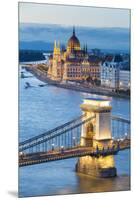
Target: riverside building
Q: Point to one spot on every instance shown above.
(115, 73)
(125, 76)
(73, 63)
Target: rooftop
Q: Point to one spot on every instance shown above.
(97, 104)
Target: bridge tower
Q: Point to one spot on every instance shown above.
(96, 134)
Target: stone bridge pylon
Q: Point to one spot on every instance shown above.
(97, 135)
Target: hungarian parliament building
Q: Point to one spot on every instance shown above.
(73, 63)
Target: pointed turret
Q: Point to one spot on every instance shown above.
(55, 49)
(55, 44)
(74, 30)
(56, 52)
(58, 48)
(86, 48)
(58, 44)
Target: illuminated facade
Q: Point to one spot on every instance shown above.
(115, 73)
(110, 71)
(73, 63)
(124, 82)
(97, 134)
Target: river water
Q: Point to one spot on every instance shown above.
(43, 108)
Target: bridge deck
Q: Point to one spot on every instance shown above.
(42, 157)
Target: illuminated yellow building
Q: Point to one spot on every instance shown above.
(73, 63)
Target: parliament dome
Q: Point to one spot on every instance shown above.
(73, 42)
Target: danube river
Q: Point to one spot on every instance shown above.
(43, 108)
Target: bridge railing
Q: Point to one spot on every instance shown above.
(68, 135)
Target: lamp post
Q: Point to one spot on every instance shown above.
(126, 136)
(74, 142)
(21, 154)
(118, 144)
(62, 149)
(52, 147)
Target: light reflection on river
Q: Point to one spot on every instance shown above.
(43, 108)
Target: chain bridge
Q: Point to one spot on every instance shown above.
(64, 142)
(96, 133)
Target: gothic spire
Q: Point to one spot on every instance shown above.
(86, 48)
(73, 30)
(59, 44)
(55, 44)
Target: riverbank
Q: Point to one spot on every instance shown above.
(80, 88)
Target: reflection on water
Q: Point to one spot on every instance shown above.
(45, 108)
(59, 177)
(87, 184)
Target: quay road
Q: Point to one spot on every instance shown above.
(59, 154)
(41, 75)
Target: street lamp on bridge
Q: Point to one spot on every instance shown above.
(62, 149)
(74, 141)
(126, 136)
(52, 147)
